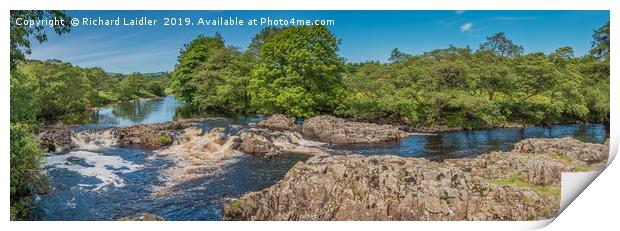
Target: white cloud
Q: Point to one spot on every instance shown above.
(467, 27)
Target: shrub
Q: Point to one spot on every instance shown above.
(27, 177)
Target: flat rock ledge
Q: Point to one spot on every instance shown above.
(330, 129)
(522, 184)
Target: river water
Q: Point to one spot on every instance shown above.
(110, 183)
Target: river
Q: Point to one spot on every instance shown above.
(111, 183)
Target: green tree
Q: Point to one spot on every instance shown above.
(501, 46)
(25, 103)
(27, 177)
(260, 38)
(600, 45)
(20, 34)
(298, 73)
(191, 57)
(398, 56)
(221, 81)
(495, 78)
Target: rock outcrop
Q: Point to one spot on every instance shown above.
(279, 122)
(63, 139)
(56, 139)
(143, 217)
(519, 185)
(269, 143)
(430, 129)
(334, 130)
(577, 151)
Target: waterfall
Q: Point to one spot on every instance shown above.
(94, 140)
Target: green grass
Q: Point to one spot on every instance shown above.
(401, 175)
(568, 161)
(581, 168)
(561, 157)
(444, 196)
(549, 190)
(164, 139)
(298, 213)
(356, 193)
(235, 204)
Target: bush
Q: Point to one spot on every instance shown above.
(164, 140)
(27, 177)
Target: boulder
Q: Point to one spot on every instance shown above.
(279, 122)
(143, 217)
(152, 135)
(334, 130)
(56, 139)
(575, 149)
(269, 143)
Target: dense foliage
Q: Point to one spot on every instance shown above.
(189, 61)
(491, 86)
(27, 178)
(52, 90)
(296, 71)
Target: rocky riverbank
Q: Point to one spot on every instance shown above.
(333, 130)
(522, 184)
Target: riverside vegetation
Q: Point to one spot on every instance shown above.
(49, 91)
(296, 71)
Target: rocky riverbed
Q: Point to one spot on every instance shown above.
(522, 184)
(273, 136)
(59, 139)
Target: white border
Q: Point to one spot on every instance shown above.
(585, 212)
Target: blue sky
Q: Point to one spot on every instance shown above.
(364, 35)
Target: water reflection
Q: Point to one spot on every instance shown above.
(475, 142)
(140, 111)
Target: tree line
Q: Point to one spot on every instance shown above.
(48, 91)
(297, 71)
